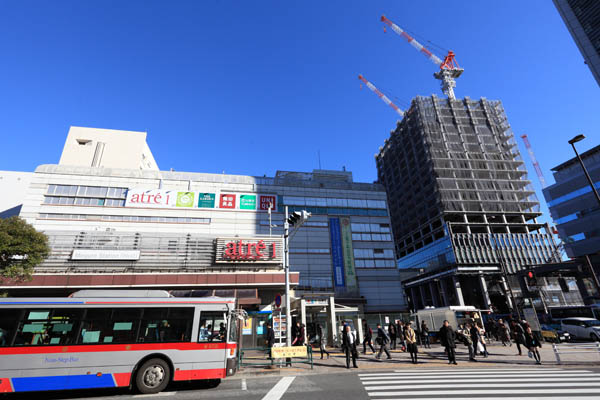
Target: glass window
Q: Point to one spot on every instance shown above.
(48, 327)
(166, 325)
(8, 324)
(213, 327)
(102, 325)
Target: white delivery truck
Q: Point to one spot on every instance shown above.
(456, 315)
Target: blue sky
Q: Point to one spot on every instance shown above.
(250, 87)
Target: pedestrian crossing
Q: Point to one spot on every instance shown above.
(483, 383)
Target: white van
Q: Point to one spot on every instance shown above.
(582, 328)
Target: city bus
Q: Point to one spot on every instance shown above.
(113, 338)
(561, 312)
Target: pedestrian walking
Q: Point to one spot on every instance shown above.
(349, 347)
(400, 332)
(270, 340)
(464, 335)
(447, 339)
(425, 335)
(322, 340)
(503, 333)
(299, 338)
(519, 336)
(382, 340)
(368, 339)
(392, 334)
(411, 342)
(482, 340)
(533, 344)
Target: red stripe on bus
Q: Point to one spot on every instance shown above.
(5, 386)
(115, 347)
(159, 302)
(122, 378)
(191, 374)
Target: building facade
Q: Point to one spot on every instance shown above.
(462, 209)
(574, 207)
(582, 18)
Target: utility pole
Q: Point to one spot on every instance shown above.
(286, 267)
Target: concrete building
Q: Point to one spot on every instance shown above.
(142, 228)
(582, 18)
(573, 205)
(462, 209)
(107, 148)
(14, 186)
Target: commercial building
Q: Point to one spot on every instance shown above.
(111, 227)
(462, 209)
(582, 18)
(574, 207)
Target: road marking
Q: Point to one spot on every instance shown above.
(503, 380)
(478, 378)
(461, 370)
(446, 393)
(475, 373)
(500, 386)
(154, 395)
(279, 389)
(244, 386)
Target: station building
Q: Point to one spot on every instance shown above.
(116, 225)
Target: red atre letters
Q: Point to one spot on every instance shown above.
(247, 251)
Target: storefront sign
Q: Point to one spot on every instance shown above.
(247, 328)
(81, 254)
(163, 198)
(348, 252)
(249, 250)
(285, 352)
(336, 252)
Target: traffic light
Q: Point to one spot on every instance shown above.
(531, 279)
(298, 217)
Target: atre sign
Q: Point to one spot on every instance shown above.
(236, 250)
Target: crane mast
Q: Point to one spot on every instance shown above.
(449, 68)
(382, 96)
(536, 166)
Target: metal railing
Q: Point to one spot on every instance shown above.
(574, 348)
(260, 356)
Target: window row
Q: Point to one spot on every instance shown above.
(337, 211)
(375, 263)
(373, 253)
(310, 251)
(125, 218)
(376, 237)
(88, 191)
(383, 228)
(333, 202)
(83, 201)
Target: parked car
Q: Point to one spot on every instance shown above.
(553, 333)
(582, 328)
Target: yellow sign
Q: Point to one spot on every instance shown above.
(285, 352)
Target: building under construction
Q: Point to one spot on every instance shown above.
(462, 208)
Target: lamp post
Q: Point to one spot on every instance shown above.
(572, 142)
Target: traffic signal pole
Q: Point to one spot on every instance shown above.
(286, 267)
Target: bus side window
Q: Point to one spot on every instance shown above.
(172, 324)
(213, 327)
(9, 321)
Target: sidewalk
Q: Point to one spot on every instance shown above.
(500, 356)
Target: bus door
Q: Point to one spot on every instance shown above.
(213, 334)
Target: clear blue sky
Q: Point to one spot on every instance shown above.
(250, 87)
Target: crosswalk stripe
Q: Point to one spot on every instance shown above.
(477, 385)
(465, 370)
(508, 398)
(476, 374)
(596, 378)
(473, 377)
(407, 393)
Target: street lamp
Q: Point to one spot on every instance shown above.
(572, 142)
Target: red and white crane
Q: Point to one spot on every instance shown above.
(536, 166)
(382, 96)
(449, 69)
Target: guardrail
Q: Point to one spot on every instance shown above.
(573, 348)
(262, 357)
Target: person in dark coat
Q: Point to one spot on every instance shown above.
(392, 333)
(299, 338)
(322, 341)
(270, 340)
(476, 339)
(519, 333)
(400, 335)
(447, 339)
(368, 340)
(382, 340)
(425, 335)
(349, 347)
(533, 345)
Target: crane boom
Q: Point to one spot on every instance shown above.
(382, 96)
(536, 166)
(435, 59)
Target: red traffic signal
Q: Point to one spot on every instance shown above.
(531, 279)
(530, 275)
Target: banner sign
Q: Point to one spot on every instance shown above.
(163, 198)
(348, 252)
(83, 254)
(249, 250)
(337, 257)
(288, 352)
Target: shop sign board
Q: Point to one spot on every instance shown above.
(337, 257)
(163, 198)
(85, 254)
(348, 252)
(288, 352)
(249, 250)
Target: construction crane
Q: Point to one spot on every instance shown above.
(449, 69)
(382, 96)
(536, 166)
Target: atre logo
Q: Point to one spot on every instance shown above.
(240, 250)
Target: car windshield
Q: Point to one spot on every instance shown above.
(592, 323)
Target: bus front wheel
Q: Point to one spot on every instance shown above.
(153, 376)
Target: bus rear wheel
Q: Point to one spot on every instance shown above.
(153, 376)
